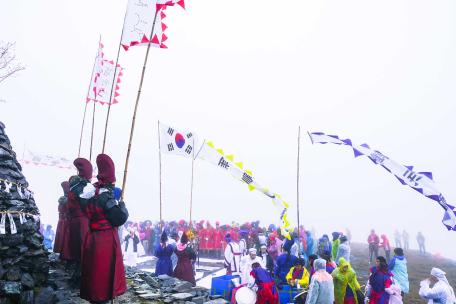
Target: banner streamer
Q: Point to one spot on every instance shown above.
(421, 182)
(182, 143)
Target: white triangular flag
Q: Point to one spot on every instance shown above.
(13, 228)
(2, 224)
(8, 186)
(21, 219)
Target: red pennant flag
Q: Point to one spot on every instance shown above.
(162, 46)
(125, 47)
(116, 94)
(155, 40)
(118, 80)
(117, 87)
(115, 101)
(87, 99)
(181, 3)
(164, 27)
(144, 39)
(162, 15)
(164, 38)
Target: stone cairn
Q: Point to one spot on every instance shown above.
(24, 264)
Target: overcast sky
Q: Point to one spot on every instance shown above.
(246, 74)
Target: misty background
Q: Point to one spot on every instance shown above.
(246, 74)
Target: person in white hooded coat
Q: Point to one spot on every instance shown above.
(132, 248)
(441, 292)
(246, 264)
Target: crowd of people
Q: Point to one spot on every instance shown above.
(263, 259)
(95, 240)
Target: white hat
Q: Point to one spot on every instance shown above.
(252, 250)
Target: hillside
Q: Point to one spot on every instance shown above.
(419, 268)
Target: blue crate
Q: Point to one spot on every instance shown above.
(286, 294)
(223, 286)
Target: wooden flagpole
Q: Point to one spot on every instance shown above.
(85, 107)
(124, 182)
(297, 189)
(160, 175)
(93, 127)
(114, 83)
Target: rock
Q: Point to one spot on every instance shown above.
(27, 297)
(12, 240)
(8, 288)
(183, 286)
(199, 300)
(27, 281)
(182, 296)
(14, 274)
(150, 296)
(45, 295)
(164, 277)
(217, 301)
(2, 271)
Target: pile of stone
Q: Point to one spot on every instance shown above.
(24, 265)
(166, 289)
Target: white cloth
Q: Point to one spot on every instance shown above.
(233, 258)
(441, 292)
(130, 256)
(242, 247)
(246, 267)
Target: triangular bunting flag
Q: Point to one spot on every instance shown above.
(230, 157)
(239, 165)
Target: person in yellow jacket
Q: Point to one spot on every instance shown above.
(346, 284)
(298, 275)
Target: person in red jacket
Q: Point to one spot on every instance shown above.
(218, 239)
(103, 273)
(385, 244)
(60, 231)
(210, 238)
(373, 241)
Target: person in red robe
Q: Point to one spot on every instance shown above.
(60, 231)
(78, 224)
(103, 273)
(185, 258)
(218, 238)
(210, 239)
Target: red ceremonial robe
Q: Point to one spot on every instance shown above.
(103, 273)
(184, 267)
(60, 231)
(77, 226)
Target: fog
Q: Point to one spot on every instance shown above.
(246, 74)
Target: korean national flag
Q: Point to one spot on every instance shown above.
(177, 142)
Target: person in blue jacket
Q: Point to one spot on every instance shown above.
(310, 243)
(398, 267)
(163, 252)
(284, 262)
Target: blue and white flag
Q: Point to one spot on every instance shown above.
(420, 181)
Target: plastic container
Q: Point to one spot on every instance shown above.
(286, 294)
(222, 286)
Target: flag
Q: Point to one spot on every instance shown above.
(37, 159)
(139, 20)
(226, 162)
(422, 182)
(177, 142)
(102, 79)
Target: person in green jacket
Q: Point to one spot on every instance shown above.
(335, 245)
(345, 283)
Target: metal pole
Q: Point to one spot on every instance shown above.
(297, 187)
(160, 175)
(191, 184)
(124, 182)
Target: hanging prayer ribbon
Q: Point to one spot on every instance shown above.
(2, 224)
(12, 224)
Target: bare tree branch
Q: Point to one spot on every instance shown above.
(8, 64)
